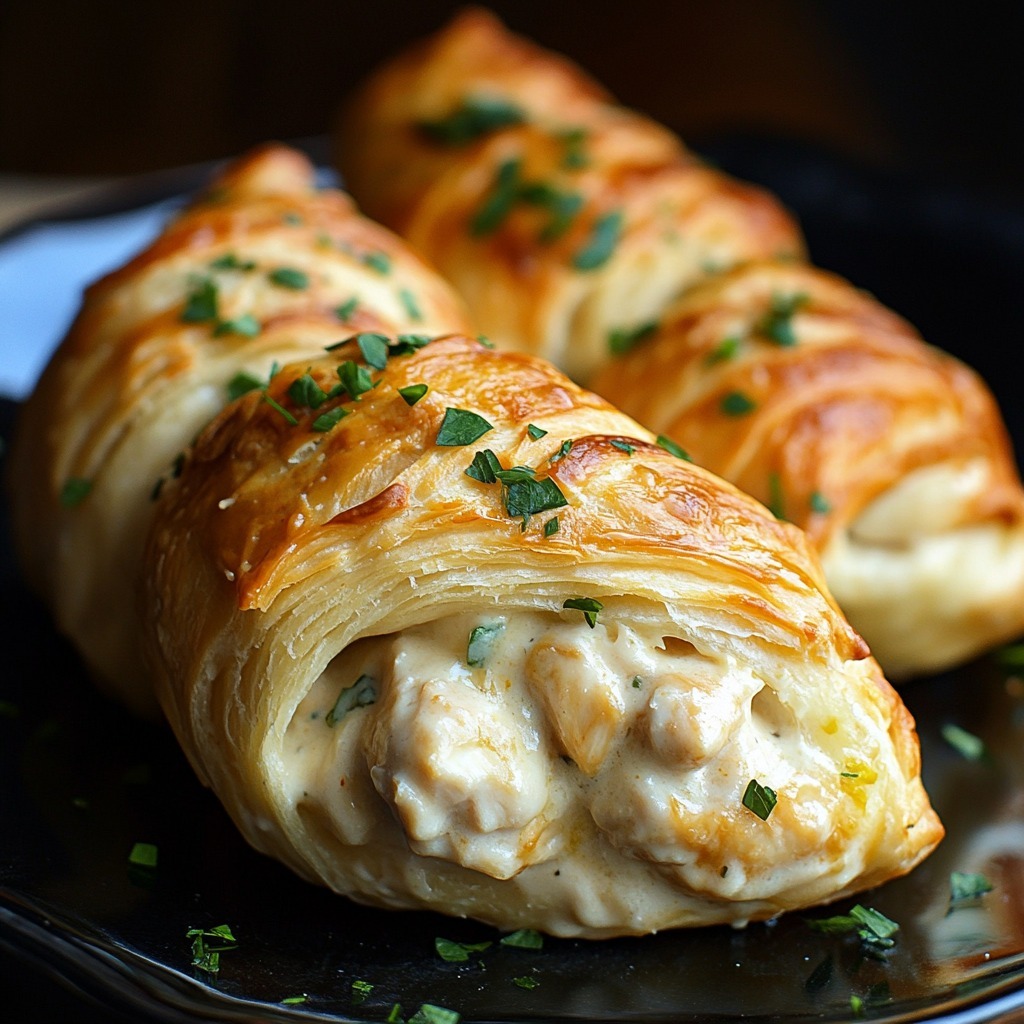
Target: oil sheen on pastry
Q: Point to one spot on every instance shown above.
(443, 630)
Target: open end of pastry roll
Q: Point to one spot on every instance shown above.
(261, 269)
(562, 218)
(443, 630)
(892, 455)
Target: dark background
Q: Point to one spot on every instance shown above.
(123, 86)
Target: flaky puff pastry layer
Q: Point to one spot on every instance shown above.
(562, 218)
(262, 268)
(367, 652)
(809, 394)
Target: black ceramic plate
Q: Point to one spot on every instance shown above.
(81, 782)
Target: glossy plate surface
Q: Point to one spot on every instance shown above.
(81, 782)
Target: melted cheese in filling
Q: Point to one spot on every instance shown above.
(570, 744)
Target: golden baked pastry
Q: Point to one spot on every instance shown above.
(891, 454)
(261, 269)
(563, 219)
(443, 630)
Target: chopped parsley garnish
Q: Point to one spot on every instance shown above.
(736, 403)
(229, 261)
(777, 324)
(428, 1013)
(295, 1000)
(280, 409)
(965, 887)
(623, 339)
(562, 207)
(964, 742)
(374, 348)
(603, 239)
(330, 419)
(637, 682)
(305, 391)
(394, 1015)
(524, 938)
(522, 493)
(406, 344)
(473, 118)
(143, 855)
(346, 310)
(481, 641)
(289, 277)
(551, 527)
(525, 981)
(725, 350)
(536, 433)
(484, 467)
(411, 306)
(759, 799)
(575, 155)
(563, 450)
(623, 446)
(206, 955)
(672, 448)
(201, 304)
(499, 201)
(360, 990)
(461, 427)
(412, 393)
(355, 379)
(458, 952)
(873, 928)
(246, 325)
(819, 503)
(485, 341)
(361, 694)
(776, 497)
(377, 260)
(241, 384)
(75, 490)
(588, 605)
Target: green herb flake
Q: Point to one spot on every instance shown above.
(525, 496)
(776, 496)
(374, 348)
(481, 641)
(377, 260)
(330, 419)
(407, 344)
(361, 694)
(143, 855)
(74, 491)
(624, 339)
(623, 446)
(412, 308)
(963, 742)
(461, 427)
(524, 938)
(289, 277)
(484, 467)
(637, 683)
(964, 887)
(777, 324)
(394, 1015)
(736, 403)
(201, 303)
(485, 341)
(525, 981)
(245, 325)
(819, 503)
(759, 799)
(347, 309)
(725, 350)
(849, 775)
(536, 433)
(241, 384)
(457, 952)
(280, 410)
(360, 990)
(499, 201)
(672, 448)
(208, 944)
(230, 261)
(603, 240)
(295, 1000)
(873, 928)
(428, 1013)
(562, 207)
(305, 391)
(355, 379)
(563, 450)
(857, 1005)
(473, 118)
(551, 527)
(588, 605)
(574, 140)
(412, 393)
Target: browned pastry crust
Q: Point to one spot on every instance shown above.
(892, 455)
(570, 219)
(293, 569)
(264, 267)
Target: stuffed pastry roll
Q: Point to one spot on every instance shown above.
(442, 630)
(565, 221)
(261, 268)
(892, 455)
